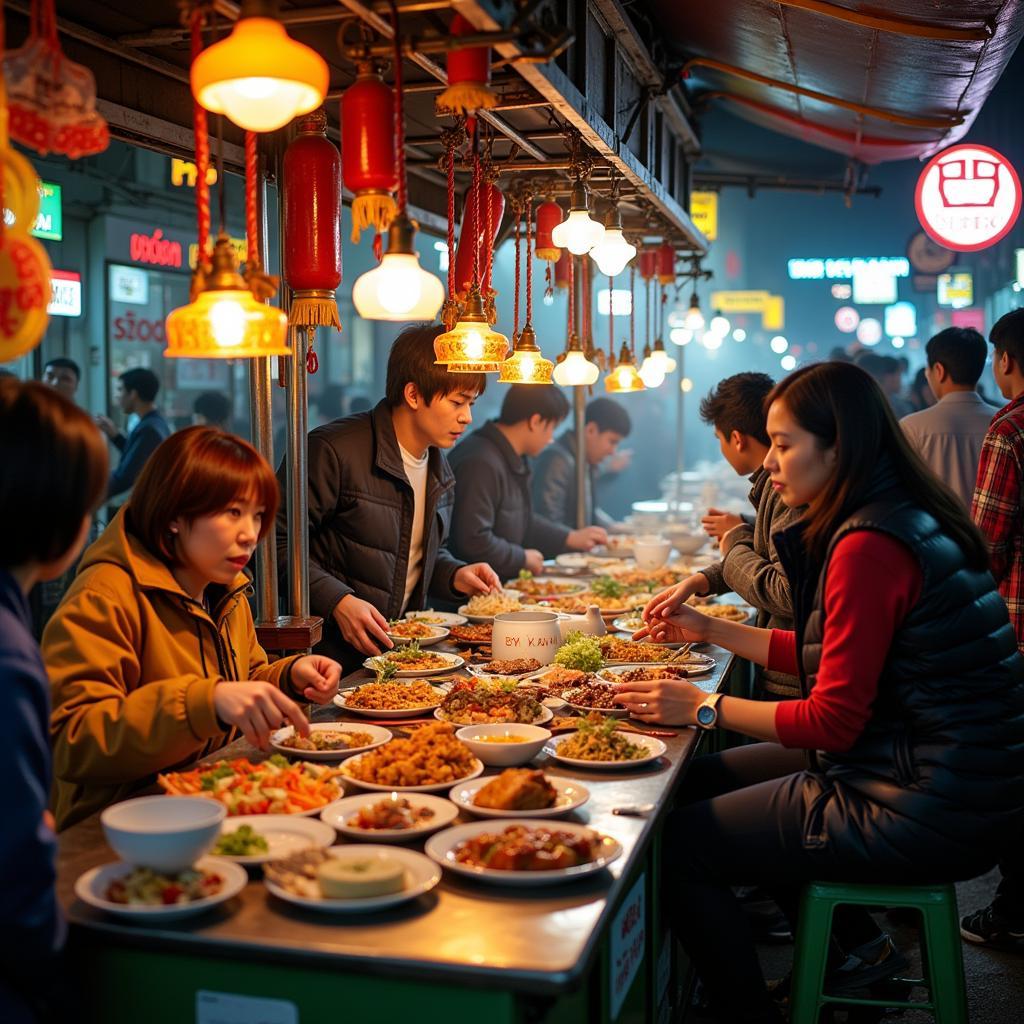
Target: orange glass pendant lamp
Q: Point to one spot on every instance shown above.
(259, 77)
(472, 345)
(225, 321)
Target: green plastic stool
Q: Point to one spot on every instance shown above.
(940, 947)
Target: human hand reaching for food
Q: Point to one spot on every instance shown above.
(534, 561)
(668, 701)
(586, 538)
(316, 678)
(668, 602)
(684, 626)
(716, 523)
(258, 709)
(478, 578)
(362, 625)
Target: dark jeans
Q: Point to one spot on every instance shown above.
(1009, 899)
(741, 821)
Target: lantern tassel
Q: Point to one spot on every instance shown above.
(372, 210)
(466, 98)
(314, 309)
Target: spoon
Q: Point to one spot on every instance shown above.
(634, 811)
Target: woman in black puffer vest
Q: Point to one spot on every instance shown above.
(904, 762)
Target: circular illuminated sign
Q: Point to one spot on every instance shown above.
(968, 197)
(847, 319)
(869, 332)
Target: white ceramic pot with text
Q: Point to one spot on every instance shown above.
(533, 634)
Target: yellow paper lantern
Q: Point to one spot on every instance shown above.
(24, 295)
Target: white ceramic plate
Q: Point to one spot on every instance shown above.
(437, 634)
(452, 662)
(285, 834)
(441, 849)
(417, 712)
(420, 874)
(573, 587)
(584, 562)
(379, 736)
(655, 749)
(432, 618)
(337, 816)
(545, 716)
(478, 671)
(697, 665)
(488, 618)
(91, 888)
(570, 796)
(609, 712)
(435, 787)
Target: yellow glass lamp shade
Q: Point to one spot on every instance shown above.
(527, 364)
(472, 345)
(224, 321)
(259, 77)
(576, 370)
(578, 233)
(624, 376)
(399, 288)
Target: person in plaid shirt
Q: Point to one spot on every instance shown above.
(998, 510)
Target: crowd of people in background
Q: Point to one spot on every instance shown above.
(883, 553)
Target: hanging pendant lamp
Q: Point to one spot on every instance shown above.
(613, 252)
(399, 288)
(623, 377)
(259, 77)
(472, 345)
(694, 319)
(225, 321)
(579, 232)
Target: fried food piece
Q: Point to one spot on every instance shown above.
(511, 666)
(518, 789)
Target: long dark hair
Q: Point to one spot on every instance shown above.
(843, 407)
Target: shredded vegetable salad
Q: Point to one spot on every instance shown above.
(272, 787)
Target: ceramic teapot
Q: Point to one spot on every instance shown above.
(590, 624)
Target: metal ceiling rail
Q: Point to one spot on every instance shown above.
(381, 25)
(900, 26)
(943, 123)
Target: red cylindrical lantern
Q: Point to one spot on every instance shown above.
(647, 264)
(562, 269)
(549, 215)
(469, 75)
(312, 224)
(368, 150)
(666, 263)
(469, 231)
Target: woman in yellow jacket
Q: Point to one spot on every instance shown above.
(152, 654)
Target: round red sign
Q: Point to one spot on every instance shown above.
(968, 197)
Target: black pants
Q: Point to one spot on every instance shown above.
(1009, 899)
(741, 820)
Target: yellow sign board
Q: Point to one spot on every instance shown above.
(704, 213)
(184, 173)
(238, 244)
(771, 307)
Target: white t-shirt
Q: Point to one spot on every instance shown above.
(416, 471)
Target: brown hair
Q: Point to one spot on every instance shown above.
(53, 472)
(843, 407)
(197, 472)
(411, 361)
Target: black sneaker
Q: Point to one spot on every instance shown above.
(987, 927)
(872, 962)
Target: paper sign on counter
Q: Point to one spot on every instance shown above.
(225, 1008)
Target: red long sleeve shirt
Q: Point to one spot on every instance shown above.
(873, 580)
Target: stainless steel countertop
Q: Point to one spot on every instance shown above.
(540, 940)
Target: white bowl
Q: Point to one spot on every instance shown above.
(504, 755)
(166, 833)
(651, 553)
(686, 543)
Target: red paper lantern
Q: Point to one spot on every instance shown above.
(312, 223)
(666, 263)
(549, 215)
(469, 231)
(368, 150)
(469, 75)
(562, 269)
(647, 264)
(24, 294)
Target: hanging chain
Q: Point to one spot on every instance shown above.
(452, 138)
(475, 193)
(529, 259)
(515, 301)
(632, 313)
(202, 137)
(399, 111)
(252, 254)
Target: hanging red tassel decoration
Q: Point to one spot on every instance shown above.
(647, 263)
(312, 224)
(368, 161)
(469, 231)
(549, 215)
(469, 76)
(563, 269)
(666, 263)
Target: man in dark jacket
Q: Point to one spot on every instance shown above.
(380, 504)
(136, 393)
(493, 520)
(554, 482)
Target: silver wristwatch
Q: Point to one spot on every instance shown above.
(707, 712)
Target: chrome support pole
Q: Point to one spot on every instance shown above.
(262, 431)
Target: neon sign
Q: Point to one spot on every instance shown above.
(845, 268)
(154, 249)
